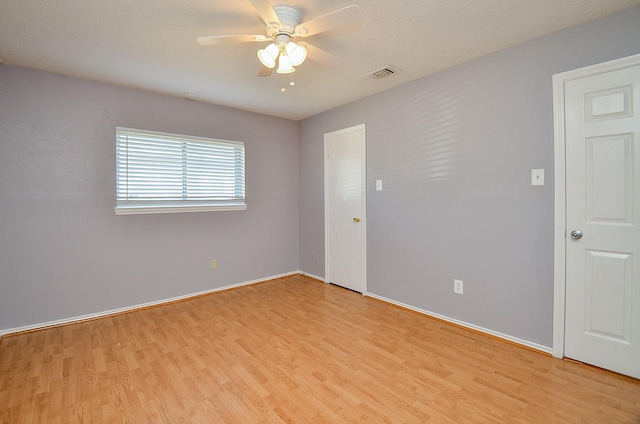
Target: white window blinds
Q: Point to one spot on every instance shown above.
(159, 172)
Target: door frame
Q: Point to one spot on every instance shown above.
(363, 188)
(560, 209)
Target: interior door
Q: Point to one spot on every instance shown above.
(602, 315)
(345, 236)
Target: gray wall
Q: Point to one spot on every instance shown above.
(63, 251)
(455, 152)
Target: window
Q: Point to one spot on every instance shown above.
(159, 173)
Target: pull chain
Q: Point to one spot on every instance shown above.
(291, 83)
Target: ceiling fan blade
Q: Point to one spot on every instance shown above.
(322, 57)
(267, 13)
(228, 39)
(342, 17)
(264, 71)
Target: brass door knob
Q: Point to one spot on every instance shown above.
(356, 219)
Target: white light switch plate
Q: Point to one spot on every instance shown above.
(537, 177)
(378, 185)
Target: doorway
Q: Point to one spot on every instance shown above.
(345, 205)
(597, 215)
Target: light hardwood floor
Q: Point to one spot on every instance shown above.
(294, 350)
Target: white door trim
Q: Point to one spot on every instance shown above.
(363, 158)
(559, 244)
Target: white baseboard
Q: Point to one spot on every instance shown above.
(42, 325)
(312, 276)
(516, 340)
(71, 320)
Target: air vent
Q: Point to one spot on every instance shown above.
(382, 72)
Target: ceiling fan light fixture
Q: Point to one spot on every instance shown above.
(284, 66)
(297, 54)
(268, 55)
(284, 24)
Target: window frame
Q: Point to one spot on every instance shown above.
(130, 206)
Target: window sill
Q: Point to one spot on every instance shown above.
(142, 210)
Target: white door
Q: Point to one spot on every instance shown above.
(344, 196)
(602, 124)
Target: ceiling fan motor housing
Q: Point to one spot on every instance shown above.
(290, 18)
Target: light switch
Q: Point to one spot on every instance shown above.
(537, 177)
(378, 185)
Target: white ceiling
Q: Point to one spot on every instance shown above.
(151, 44)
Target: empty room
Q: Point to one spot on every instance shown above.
(255, 211)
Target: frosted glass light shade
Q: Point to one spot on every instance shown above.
(297, 54)
(268, 55)
(285, 66)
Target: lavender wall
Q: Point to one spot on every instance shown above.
(63, 251)
(455, 152)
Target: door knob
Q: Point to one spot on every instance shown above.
(356, 219)
(576, 234)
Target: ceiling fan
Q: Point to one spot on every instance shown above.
(283, 27)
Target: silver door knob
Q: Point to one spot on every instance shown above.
(576, 234)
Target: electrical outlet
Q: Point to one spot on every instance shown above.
(214, 264)
(457, 286)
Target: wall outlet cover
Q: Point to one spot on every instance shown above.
(457, 286)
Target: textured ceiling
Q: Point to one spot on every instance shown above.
(151, 44)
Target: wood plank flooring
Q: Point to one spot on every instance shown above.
(294, 350)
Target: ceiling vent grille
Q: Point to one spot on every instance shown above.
(382, 72)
